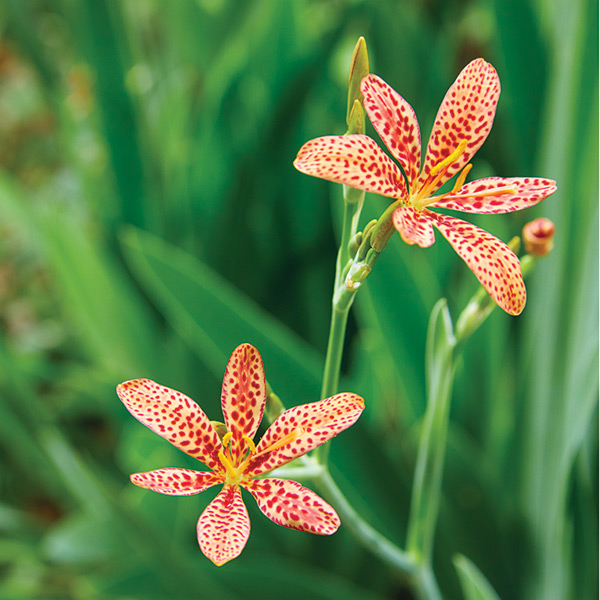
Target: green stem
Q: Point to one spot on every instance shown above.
(432, 445)
(369, 538)
(335, 347)
(420, 577)
(340, 304)
(342, 298)
(425, 586)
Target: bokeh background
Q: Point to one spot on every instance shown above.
(151, 220)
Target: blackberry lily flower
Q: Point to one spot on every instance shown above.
(234, 460)
(461, 126)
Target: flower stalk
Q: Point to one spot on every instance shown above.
(427, 483)
(353, 203)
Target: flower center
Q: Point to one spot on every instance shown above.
(234, 473)
(423, 196)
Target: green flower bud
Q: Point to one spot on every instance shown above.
(359, 68)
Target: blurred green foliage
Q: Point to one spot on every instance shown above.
(151, 220)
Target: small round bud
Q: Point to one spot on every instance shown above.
(538, 236)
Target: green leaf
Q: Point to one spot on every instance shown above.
(474, 585)
(214, 317)
(93, 289)
(82, 540)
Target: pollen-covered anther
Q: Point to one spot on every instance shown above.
(290, 437)
(460, 180)
(450, 159)
(250, 444)
(436, 174)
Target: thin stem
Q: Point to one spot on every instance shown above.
(340, 304)
(335, 347)
(420, 577)
(369, 538)
(342, 299)
(432, 445)
(425, 586)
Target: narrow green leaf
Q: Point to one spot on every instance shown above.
(82, 539)
(214, 317)
(474, 585)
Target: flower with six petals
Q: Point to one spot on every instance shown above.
(235, 462)
(461, 126)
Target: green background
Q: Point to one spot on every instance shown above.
(151, 220)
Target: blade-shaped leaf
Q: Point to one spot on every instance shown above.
(214, 317)
(474, 585)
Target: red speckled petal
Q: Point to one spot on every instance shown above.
(355, 160)
(224, 526)
(314, 424)
(414, 226)
(174, 417)
(492, 262)
(175, 481)
(289, 504)
(243, 396)
(467, 113)
(396, 123)
(484, 195)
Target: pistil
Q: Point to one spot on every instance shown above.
(232, 474)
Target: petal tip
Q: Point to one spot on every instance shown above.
(136, 479)
(133, 383)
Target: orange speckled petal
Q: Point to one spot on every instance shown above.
(414, 226)
(289, 504)
(309, 426)
(466, 113)
(243, 396)
(224, 526)
(355, 160)
(492, 262)
(175, 481)
(174, 417)
(484, 196)
(396, 123)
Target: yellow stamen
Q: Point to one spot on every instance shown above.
(461, 178)
(250, 444)
(497, 192)
(228, 466)
(460, 150)
(422, 198)
(227, 438)
(286, 439)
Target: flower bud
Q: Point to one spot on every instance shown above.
(220, 428)
(359, 68)
(274, 406)
(356, 118)
(538, 236)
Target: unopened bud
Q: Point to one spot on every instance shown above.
(274, 406)
(515, 244)
(354, 243)
(359, 68)
(538, 236)
(220, 428)
(356, 119)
